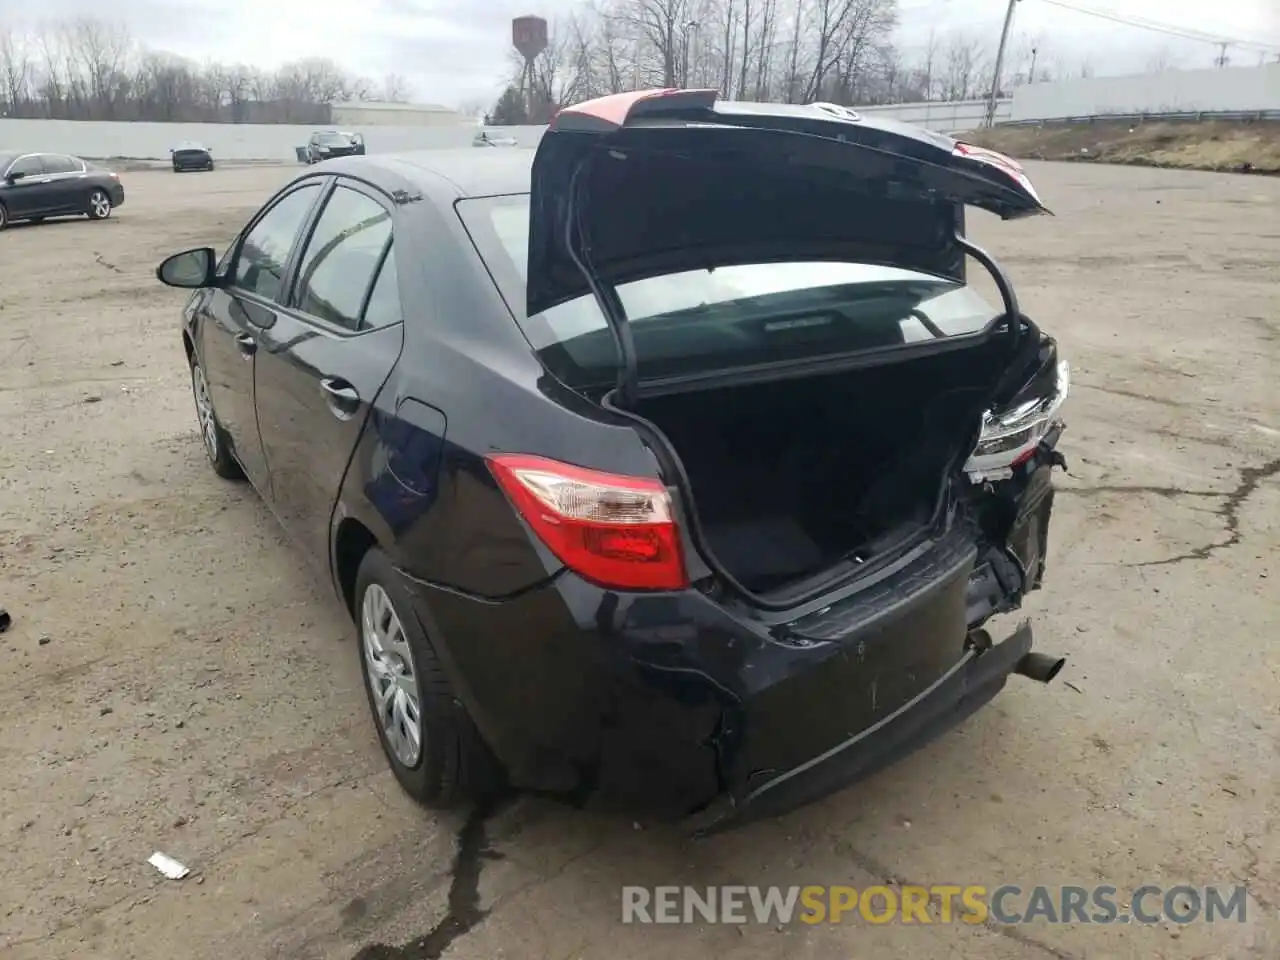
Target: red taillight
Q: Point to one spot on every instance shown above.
(613, 530)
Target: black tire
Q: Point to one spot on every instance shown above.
(99, 205)
(210, 166)
(176, 168)
(4, 216)
(454, 766)
(217, 449)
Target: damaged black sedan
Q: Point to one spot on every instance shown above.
(674, 466)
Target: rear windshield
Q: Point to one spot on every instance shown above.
(726, 317)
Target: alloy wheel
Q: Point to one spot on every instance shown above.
(392, 675)
(100, 205)
(204, 412)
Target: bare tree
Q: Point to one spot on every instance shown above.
(661, 24)
(101, 50)
(962, 64)
(1161, 60)
(395, 89)
(16, 72)
(91, 69)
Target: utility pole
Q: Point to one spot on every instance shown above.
(995, 80)
(1222, 59)
(1031, 74)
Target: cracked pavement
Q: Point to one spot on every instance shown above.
(174, 680)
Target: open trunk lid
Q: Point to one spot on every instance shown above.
(643, 184)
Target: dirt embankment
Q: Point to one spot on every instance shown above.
(1240, 147)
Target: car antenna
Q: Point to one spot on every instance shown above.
(606, 294)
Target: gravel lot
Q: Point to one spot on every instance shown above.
(174, 680)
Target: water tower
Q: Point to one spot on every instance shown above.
(529, 37)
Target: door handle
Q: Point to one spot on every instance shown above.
(246, 344)
(342, 397)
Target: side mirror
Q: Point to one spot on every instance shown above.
(191, 269)
(15, 176)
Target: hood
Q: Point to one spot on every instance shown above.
(671, 180)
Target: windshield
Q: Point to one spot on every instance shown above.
(333, 139)
(718, 318)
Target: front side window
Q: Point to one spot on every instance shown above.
(724, 317)
(31, 166)
(342, 257)
(266, 249)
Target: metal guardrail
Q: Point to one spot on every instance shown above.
(1194, 116)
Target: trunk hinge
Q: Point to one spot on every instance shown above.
(1002, 284)
(605, 293)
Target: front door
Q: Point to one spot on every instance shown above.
(322, 363)
(28, 195)
(234, 319)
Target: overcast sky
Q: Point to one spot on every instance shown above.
(456, 50)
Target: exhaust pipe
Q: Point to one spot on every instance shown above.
(1040, 666)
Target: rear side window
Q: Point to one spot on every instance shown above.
(725, 317)
(383, 308)
(55, 163)
(342, 258)
(266, 249)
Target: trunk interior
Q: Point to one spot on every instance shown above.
(793, 477)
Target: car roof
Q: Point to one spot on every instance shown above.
(446, 175)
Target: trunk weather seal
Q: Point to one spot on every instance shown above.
(606, 295)
(673, 467)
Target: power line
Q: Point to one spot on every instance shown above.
(1182, 33)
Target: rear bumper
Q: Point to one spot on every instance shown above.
(974, 680)
(195, 161)
(674, 703)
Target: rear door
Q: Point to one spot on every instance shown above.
(322, 363)
(65, 178)
(29, 195)
(233, 320)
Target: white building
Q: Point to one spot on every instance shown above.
(368, 113)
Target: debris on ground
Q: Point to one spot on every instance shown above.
(170, 867)
(6, 621)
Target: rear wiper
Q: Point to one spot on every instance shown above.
(606, 295)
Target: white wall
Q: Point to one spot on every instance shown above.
(1172, 91)
(229, 141)
(245, 141)
(950, 117)
(1232, 88)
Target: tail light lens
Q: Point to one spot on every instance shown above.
(615, 531)
(1010, 437)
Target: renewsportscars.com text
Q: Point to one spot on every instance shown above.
(941, 903)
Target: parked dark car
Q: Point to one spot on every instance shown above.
(327, 144)
(647, 486)
(34, 186)
(189, 155)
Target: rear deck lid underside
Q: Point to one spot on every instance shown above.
(641, 185)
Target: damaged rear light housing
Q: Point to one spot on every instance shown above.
(1010, 437)
(615, 531)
